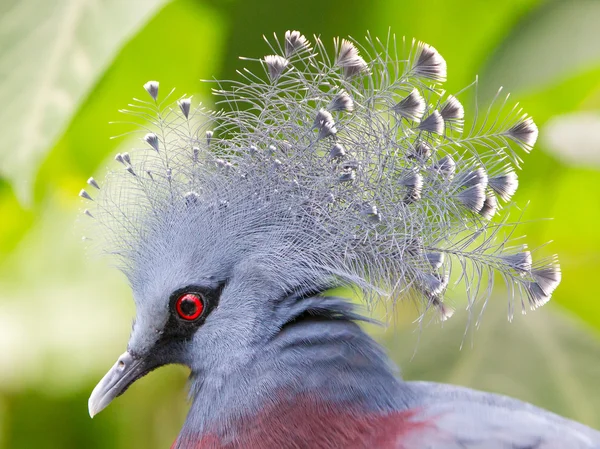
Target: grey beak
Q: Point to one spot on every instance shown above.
(126, 371)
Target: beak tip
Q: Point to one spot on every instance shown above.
(93, 406)
(114, 382)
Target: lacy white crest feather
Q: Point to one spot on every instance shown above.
(350, 169)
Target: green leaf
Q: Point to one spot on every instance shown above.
(15, 222)
(58, 50)
(553, 43)
(180, 46)
(444, 24)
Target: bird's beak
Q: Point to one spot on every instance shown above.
(127, 370)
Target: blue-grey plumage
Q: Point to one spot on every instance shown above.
(232, 225)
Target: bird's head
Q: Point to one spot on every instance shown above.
(210, 289)
(321, 172)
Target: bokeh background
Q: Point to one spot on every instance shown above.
(67, 66)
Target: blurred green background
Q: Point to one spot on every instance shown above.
(67, 66)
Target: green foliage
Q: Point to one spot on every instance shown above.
(53, 60)
(550, 46)
(16, 220)
(70, 65)
(179, 46)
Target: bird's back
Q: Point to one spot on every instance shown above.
(470, 419)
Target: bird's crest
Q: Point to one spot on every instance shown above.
(348, 169)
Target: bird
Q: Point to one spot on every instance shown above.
(320, 169)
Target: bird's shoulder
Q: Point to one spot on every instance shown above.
(462, 418)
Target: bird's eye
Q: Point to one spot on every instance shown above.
(189, 306)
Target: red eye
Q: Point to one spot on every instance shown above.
(189, 306)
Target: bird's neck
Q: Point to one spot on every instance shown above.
(314, 367)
